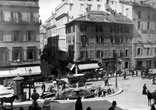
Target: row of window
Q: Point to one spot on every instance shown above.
(148, 51)
(17, 35)
(100, 28)
(147, 15)
(103, 53)
(18, 53)
(146, 25)
(100, 39)
(17, 17)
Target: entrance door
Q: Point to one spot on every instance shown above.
(2, 56)
(149, 63)
(139, 64)
(126, 64)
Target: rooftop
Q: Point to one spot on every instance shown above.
(148, 4)
(101, 16)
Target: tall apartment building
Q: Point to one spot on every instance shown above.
(100, 36)
(143, 15)
(67, 11)
(19, 32)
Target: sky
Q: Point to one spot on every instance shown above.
(46, 8)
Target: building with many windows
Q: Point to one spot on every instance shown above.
(143, 15)
(67, 11)
(100, 36)
(19, 32)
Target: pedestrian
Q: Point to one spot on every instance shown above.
(136, 70)
(153, 79)
(43, 87)
(146, 72)
(124, 73)
(153, 107)
(78, 104)
(113, 106)
(105, 77)
(99, 92)
(149, 97)
(88, 108)
(144, 91)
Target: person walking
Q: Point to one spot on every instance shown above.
(43, 87)
(124, 73)
(113, 106)
(149, 97)
(78, 104)
(144, 91)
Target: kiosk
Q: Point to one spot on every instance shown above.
(18, 88)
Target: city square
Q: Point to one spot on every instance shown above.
(129, 96)
(77, 54)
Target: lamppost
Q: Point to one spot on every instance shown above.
(30, 71)
(116, 79)
(116, 68)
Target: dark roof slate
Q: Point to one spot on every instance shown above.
(100, 16)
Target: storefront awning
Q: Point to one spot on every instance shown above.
(83, 66)
(21, 71)
(88, 66)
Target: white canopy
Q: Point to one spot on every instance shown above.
(21, 71)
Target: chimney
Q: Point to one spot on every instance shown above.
(142, 2)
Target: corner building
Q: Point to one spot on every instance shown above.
(19, 32)
(100, 36)
(143, 15)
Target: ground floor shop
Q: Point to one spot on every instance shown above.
(147, 63)
(113, 64)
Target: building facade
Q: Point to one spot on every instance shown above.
(101, 36)
(143, 15)
(19, 32)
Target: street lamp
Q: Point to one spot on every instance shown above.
(116, 65)
(116, 79)
(30, 71)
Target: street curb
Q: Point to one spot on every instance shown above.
(118, 92)
(93, 99)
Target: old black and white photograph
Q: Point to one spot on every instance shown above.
(77, 54)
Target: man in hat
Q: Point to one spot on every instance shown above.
(113, 106)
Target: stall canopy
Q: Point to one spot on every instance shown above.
(88, 66)
(83, 66)
(21, 71)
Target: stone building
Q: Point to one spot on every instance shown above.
(19, 32)
(143, 15)
(100, 36)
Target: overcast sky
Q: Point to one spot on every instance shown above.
(47, 7)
